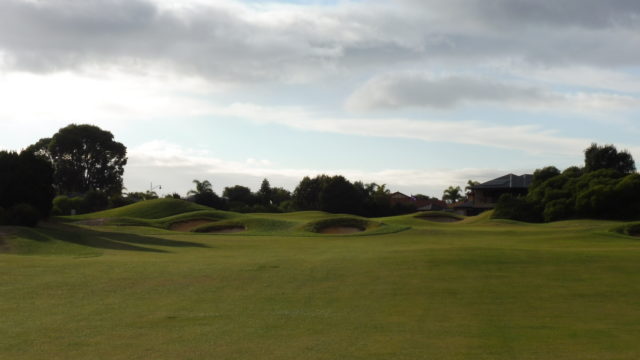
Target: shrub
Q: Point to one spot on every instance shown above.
(559, 209)
(62, 205)
(95, 201)
(517, 208)
(3, 217)
(24, 215)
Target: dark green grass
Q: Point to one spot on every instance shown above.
(476, 289)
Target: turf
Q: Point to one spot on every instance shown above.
(151, 209)
(475, 289)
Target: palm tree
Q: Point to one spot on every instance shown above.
(382, 189)
(202, 187)
(204, 195)
(452, 194)
(468, 189)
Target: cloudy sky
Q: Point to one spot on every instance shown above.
(417, 94)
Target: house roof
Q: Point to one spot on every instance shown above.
(509, 181)
(399, 195)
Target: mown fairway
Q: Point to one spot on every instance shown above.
(476, 289)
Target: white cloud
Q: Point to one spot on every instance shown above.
(527, 138)
(111, 96)
(116, 100)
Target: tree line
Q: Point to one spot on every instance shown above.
(606, 187)
(333, 194)
(80, 168)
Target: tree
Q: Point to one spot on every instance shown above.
(544, 174)
(204, 195)
(239, 194)
(470, 185)
(264, 194)
(26, 180)
(306, 194)
(338, 195)
(84, 157)
(607, 157)
(202, 187)
(280, 195)
(452, 194)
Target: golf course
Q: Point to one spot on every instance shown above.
(170, 279)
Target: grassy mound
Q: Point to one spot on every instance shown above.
(169, 222)
(150, 209)
(439, 216)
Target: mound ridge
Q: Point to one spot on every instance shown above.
(149, 209)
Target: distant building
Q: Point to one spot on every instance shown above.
(420, 203)
(485, 196)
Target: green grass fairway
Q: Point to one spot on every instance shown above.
(404, 288)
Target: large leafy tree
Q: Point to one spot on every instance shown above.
(84, 157)
(608, 157)
(239, 194)
(306, 194)
(338, 195)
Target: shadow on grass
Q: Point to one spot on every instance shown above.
(101, 239)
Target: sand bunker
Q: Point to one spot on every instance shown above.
(227, 230)
(340, 230)
(188, 225)
(440, 219)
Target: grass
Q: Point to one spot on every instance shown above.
(152, 209)
(474, 289)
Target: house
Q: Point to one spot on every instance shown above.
(421, 203)
(485, 196)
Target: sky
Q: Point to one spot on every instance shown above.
(415, 94)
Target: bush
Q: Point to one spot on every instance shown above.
(95, 201)
(517, 208)
(62, 205)
(3, 217)
(24, 215)
(558, 210)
